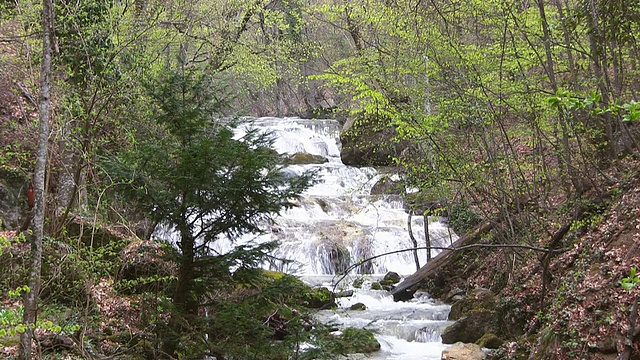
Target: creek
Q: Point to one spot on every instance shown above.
(337, 223)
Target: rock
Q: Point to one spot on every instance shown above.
(357, 283)
(390, 278)
(470, 328)
(372, 141)
(460, 351)
(490, 341)
(387, 186)
(453, 294)
(346, 293)
(358, 306)
(376, 286)
(13, 199)
(476, 299)
(355, 340)
(320, 298)
(305, 158)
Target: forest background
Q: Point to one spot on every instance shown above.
(520, 114)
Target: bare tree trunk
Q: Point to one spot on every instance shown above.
(427, 237)
(413, 241)
(31, 298)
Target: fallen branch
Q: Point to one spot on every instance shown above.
(454, 249)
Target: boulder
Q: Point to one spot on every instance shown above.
(305, 158)
(14, 211)
(460, 351)
(470, 328)
(320, 298)
(391, 278)
(355, 340)
(376, 286)
(454, 295)
(388, 186)
(490, 341)
(358, 306)
(476, 299)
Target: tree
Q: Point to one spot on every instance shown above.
(188, 171)
(31, 298)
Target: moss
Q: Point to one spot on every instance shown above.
(490, 341)
(358, 341)
(376, 286)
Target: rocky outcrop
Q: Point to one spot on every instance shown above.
(371, 142)
(460, 351)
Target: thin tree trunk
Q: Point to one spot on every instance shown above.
(413, 240)
(427, 237)
(31, 298)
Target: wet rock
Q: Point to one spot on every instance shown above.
(305, 158)
(376, 286)
(391, 278)
(388, 186)
(358, 306)
(346, 293)
(355, 340)
(454, 295)
(357, 283)
(320, 298)
(460, 351)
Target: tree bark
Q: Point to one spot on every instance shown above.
(31, 298)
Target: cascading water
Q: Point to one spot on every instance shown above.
(338, 223)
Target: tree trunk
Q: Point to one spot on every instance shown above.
(31, 298)
(413, 240)
(184, 303)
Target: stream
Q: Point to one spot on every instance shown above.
(336, 224)
(339, 222)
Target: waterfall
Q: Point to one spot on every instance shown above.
(337, 223)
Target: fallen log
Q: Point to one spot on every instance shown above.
(404, 290)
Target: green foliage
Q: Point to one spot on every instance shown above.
(463, 218)
(630, 282)
(190, 172)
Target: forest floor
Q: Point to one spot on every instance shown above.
(582, 311)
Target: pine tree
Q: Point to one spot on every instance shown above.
(188, 171)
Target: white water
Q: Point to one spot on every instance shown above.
(337, 217)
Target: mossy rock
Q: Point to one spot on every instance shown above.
(477, 299)
(490, 341)
(358, 306)
(357, 283)
(391, 278)
(305, 158)
(355, 340)
(470, 328)
(320, 298)
(376, 286)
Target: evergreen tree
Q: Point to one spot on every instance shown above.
(187, 170)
